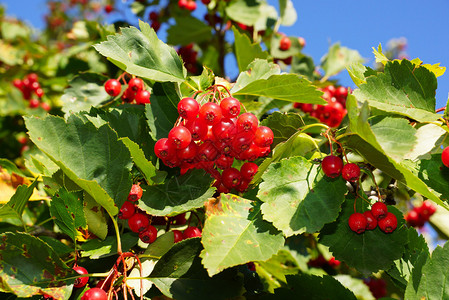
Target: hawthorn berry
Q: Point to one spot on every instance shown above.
(414, 218)
(127, 210)
(371, 221)
(248, 170)
(95, 294)
(138, 222)
(357, 222)
(34, 103)
(426, 209)
(350, 172)
(230, 107)
(188, 108)
(113, 87)
(148, 235)
(108, 8)
(142, 97)
(389, 223)
(177, 236)
(231, 178)
(198, 129)
(379, 210)
(263, 136)
(190, 5)
(224, 130)
(191, 232)
(211, 113)
(179, 137)
(445, 156)
(332, 166)
(82, 281)
(163, 149)
(247, 122)
(135, 84)
(285, 43)
(135, 193)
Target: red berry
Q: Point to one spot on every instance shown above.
(379, 210)
(45, 106)
(148, 235)
(179, 137)
(285, 44)
(138, 222)
(188, 108)
(389, 223)
(177, 236)
(224, 130)
(127, 210)
(357, 222)
(332, 166)
(350, 172)
(113, 87)
(34, 103)
(242, 141)
(39, 92)
(191, 5)
(82, 281)
(371, 221)
(247, 122)
(224, 162)
(263, 136)
(205, 2)
(179, 219)
(188, 153)
(32, 77)
(211, 113)
(230, 107)
(163, 149)
(333, 262)
(445, 156)
(198, 129)
(191, 232)
(135, 84)
(18, 83)
(135, 193)
(426, 210)
(231, 178)
(248, 170)
(143, 97)
(95, 294)
(182, 4)
(414, 219)
(207, 152)
(35, 85)
(129, 95)
(153, 16)
(108, 8)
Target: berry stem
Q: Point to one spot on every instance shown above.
(370, 173)
(440, 109)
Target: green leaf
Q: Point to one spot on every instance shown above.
(258, 69)
(67, 210)
(95, 217)
(299, 144)
(355, 285)
(312, 287)
(338, 58)
(148, 260)
(188, 30)
(141, 53)
(303, 65)
(287, 87)
(428, 137)
(298, 197)
(244, 11)
(93, 158)
(395, 135)
(59, 247)
(149, 171)
(10, 167)
(431, 282)
(179, 274)
(415, 250)
(95, 249)
(86, 90)
(288, 12)
(237, 234)
(245, 50)
(404, 89)
(177, 195)
(283, 125)
(357, 249)
(162, 113)
(16, 205)
(29, 267)
(363, 140)
(433, 173)
(12, 31)
(200, 82)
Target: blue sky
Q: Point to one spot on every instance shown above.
(359, 25)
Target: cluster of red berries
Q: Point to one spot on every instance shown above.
(370, 219)
(333, 167)
(321, 262)
(189, 5)
(334, 111)
(134, 92)
(377, 287)
(419, 215)
(213, 135)
(189, 57)
(29, 85)
(155, 23)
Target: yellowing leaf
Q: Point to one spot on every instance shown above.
(380, 57)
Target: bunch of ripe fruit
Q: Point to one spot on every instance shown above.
(419, 215)
(334, 111)
(29, 85)
(189, 57)
(134, 92)
(213, 135)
